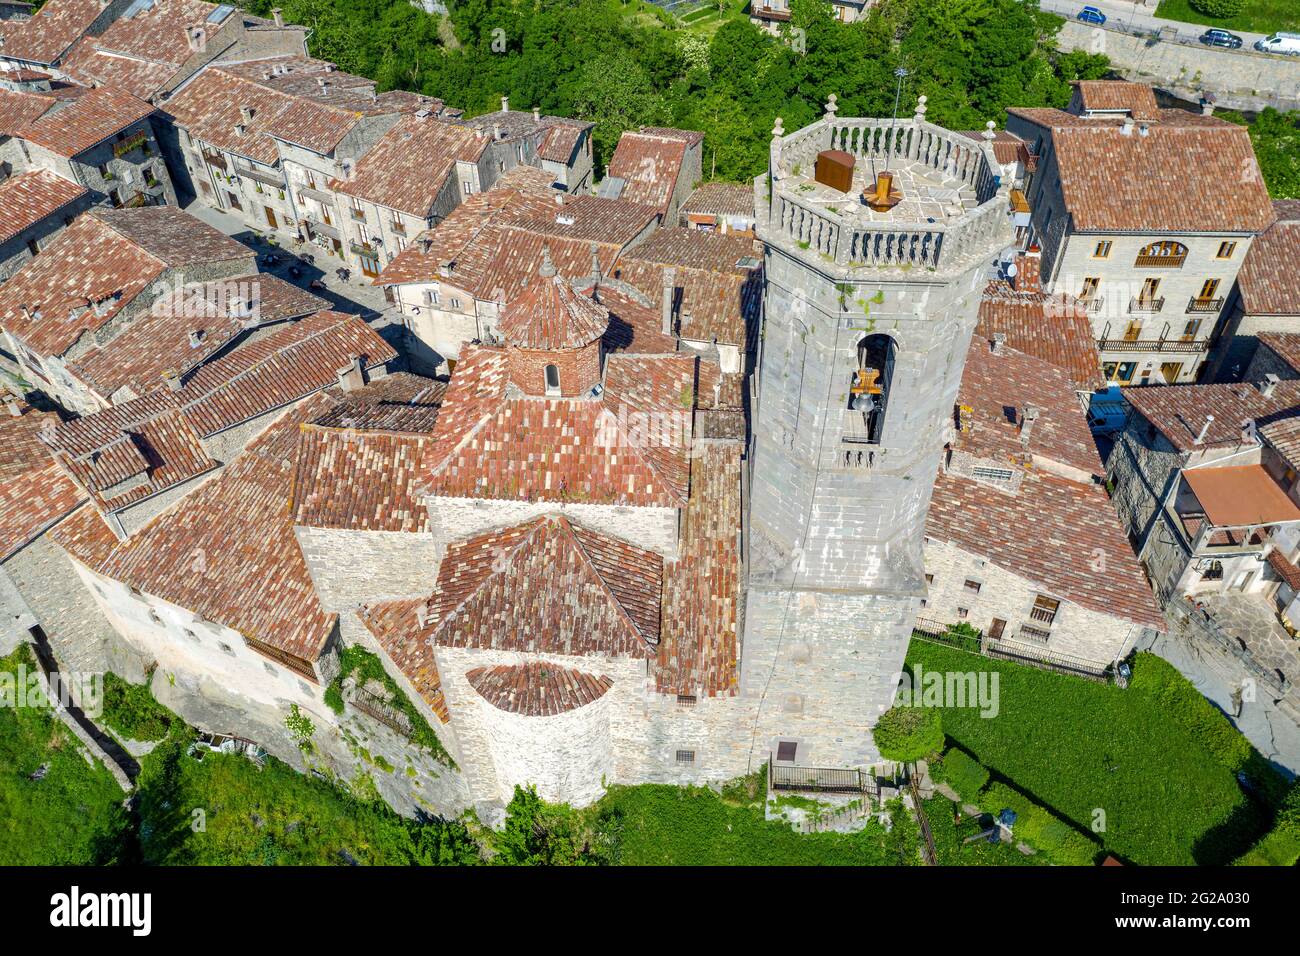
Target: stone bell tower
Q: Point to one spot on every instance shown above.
(878, 239)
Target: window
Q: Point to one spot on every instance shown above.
(1133, 331)
(1149, 289)
(1102, 251)
(991, 474)
(1090, 288)
(1164, 254)
(430, 296)
(115, 198)
(869, 390)
(1035, 634)
(1213, 572)
(1044, 609)
(33, 247)
(455, 303)
(686, 756)
(191, 635)
(686, 700)
(785, 750)
(1190, 330)
(153, 616)
(270, 668)
(972, 586)
(963, 613)
(469, 188)
(929, 579)
(552, 380)
(1121, 373)
(1209, 288)
(1227, 250)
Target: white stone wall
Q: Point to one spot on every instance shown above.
(654, 529)
(350, 568)
(1077, 631)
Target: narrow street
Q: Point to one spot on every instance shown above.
(1130, 17)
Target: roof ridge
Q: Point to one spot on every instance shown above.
(609, 592)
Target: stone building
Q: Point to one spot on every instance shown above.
(1276, 353)
(45, 40)
(101, 139)
(558, 145)
(657, 167)
(720, 207)
(1267, 298)
(96, 278)
(771, 14)
(868, 313)
(34, 208)
(452, 281)
(1021, 540)
(1146, 214)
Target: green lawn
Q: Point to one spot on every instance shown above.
(1079, 747)
(660, 825)
(74, 815)
(1258, 16)
(949, 835)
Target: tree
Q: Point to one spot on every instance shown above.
(538, 833)
(906, 734)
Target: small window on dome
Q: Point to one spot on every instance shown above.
(552, 380)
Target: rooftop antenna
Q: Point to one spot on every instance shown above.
(902, 74)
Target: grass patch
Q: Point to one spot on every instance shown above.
(359, 663)
(131, 711)
(949, 833)
(1079, 747)
(274, 816)
(73, 816)
(1257, 16)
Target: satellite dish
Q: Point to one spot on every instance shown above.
(1011, 270)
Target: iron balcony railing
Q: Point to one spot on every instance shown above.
(1205, 305)
(818, 779)
(1094, 303)
(1138, 304)
(1161, 262)
(1151, 345)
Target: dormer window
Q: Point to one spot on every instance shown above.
(552, 380)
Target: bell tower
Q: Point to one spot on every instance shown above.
(878, 236)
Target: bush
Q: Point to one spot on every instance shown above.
(334, 697)
(130, 709)
(1048, 834)
(906, 734)
(363, 666)
(964, 774)
(1281, 845)
(1219, 8)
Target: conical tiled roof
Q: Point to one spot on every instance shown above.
(550, 315)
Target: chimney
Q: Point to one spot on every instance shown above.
(1127, 128)
(537, 114)
(1207, 105)
(278, 15)
(12, 407)
(246, 114)
(1027, 423)
(172, 380)
(999, 343)
(595, 265)
(1028, 277)
(426, 245)
(196, 338)
(1270, 382)
(505, 104)
(1205, 429)
(351, 376)
(324, 85)
(444, 269)
(666, 307)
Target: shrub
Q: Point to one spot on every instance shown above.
(1219, 8)
(964, 774)
(1035, 825)
(906, 734)
(1281, 845)
(356, 661)
(130, 709)
(334, 696)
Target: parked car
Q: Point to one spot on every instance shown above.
(1091, 15)
(1280, 43)
(1221, 38)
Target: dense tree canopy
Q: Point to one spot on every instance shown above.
(622, 63)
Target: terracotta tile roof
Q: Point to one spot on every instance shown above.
(1007, 147)
(548, 586)
(160, 341)
(31, 197)
(287, 364)
(635, 324)
(208, 108)
(50, 31)
(409, 166)
(19, 109)
(226, 551)
(87, 64)
(578, 450)
(649, 166)
(107, 257)
(537, 689)
(34, 492)
(402, 629)
(76, 119)
(719, 276)
(1285, 345)
(1047, 533)
(494, 241)
(527, 179)
(1285, 569)
(561, 139)
(1106, 95)
(1172, 179)
(360, 463)
(130, 452)
(700, 650)
(721, 199)
(550, 315)
(1269, 280)
(1178, 411)
(996, 388)
(1283, 434)
(1054, 328)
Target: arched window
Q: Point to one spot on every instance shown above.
(1165, 254)
(552, 380)
(869, 390)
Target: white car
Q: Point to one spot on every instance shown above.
(1288, 43)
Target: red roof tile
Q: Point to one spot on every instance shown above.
(650, 164)
(31, 197)
(1137, 99)
(1269, 280)
(50, 31)
(75, 119)
(550, 315)
(537, 689)
(1054, 328)
(1179, 411)
(34, 493)
(402, 629)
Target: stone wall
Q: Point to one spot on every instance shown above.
(1265, 361)
(577, 370)
(350, 568)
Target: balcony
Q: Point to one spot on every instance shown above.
(819, 779)
(365, 250)
(213, 158)
(266, 179)
(1146, 306)
(131, 142)
(1160, 262)
(398, 227)
(1205, 305)
(1094, 303)
(1152, 345)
